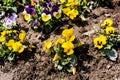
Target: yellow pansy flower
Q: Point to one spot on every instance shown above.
(73, 13)
(66, 11)
(27, 17)
(59, 40)
(68, 47)
(18, 47)
(68, 34)
(56, 57)
(46, 17)
(22, 36)
(47, 46)
(100, 41)
(108, 22)
(57, 15)
(2, 38)
(10, 43)
(110, 30)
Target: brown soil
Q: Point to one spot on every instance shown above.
(91, 64)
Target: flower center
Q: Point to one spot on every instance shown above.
(99, 43)
(111, 32)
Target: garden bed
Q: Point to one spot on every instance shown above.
(91, 64)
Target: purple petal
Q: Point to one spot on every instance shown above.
(35, 23)
(14, 15)
(44, 5)
(49, 4)
(12, 18)
(55, 8)
(30, 10)
(46, 11)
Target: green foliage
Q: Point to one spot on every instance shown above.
(8, 5)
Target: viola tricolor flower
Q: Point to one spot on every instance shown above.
(110, 30)
(68, 34)
(30, 10)
(100, 41)
(108, 22)
(46, 17)
(68, 47)
(10, 22)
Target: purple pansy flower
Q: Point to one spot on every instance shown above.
(9, 22)
(55, 8)
(30, 10)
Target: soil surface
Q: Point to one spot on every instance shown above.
(91, 64)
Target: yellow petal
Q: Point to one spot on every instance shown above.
(21, 50)
(56, 57)
(81, 43)
(27, 17)
(46, 17)
(10, 42)
(22, 36)
(72, 38)
(70, 52)
(74, 70)
(57, 15)
(62, 1)
(2, 39)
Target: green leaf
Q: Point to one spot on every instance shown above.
(82, 18)
(4, 1)
(112, 54)
(60, 67)
(23, 1)
(109, 46)
(11, 56)
(103, 54)
(69, 69)
(2, 53)
(66, 61)
(14, 9)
